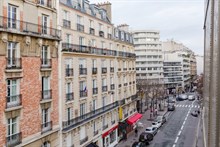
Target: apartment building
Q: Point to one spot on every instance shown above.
(149, 55)
(28, 73)
(97, 75)
(211, 95)
(193, 67)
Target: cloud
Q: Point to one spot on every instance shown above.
(181, 20)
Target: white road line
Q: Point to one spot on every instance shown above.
(182, 128)
(180, 105)
(184, 122)
(179, 133)
(174, 145)
(176, 139)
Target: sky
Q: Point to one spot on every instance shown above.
(181, 20)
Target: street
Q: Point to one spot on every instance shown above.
(181, 127)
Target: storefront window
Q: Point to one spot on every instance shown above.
(112, 136)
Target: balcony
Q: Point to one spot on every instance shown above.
(83, 93)
(92, 31)
(13, 140)
(45, 63)
(69, 72)
(125, 69)
(45, 3)
(109, 36)
(129, 68)
(94, 71)
(95, 132)
(122, 102)
(132, 68)
(46, 95)
(125, 115)
(94, 91)
(80, 27)
(133, 82)
(104, 70)
(88, 116)
(130, 83)
(111, 69)
(101, 34)
(134, 97)
(104, 88)
(45, 127)
(119, 69)
(125, 84)
(69, 96)
(112, 86)
(119, 85)
(8, 24)
(13, 101)
(84, 140)
(113, 122)
(66, 23)
(13, 63)
(105, 127)
(82, 71)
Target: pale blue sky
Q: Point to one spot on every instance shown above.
(181, 20)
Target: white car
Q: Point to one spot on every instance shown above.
(156, 124)
(191, 97)
(184, 96)
(151, 130)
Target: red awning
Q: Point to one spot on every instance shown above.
(133, 119)
(109, 131)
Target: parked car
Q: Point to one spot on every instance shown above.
(181, 97)
(152, 130)
(171, 100)
(184, 96)
(146, 137)
(195, 113)
(171, 108)
(139, 144)
(161, 119)
(191, 97)
(156, 124)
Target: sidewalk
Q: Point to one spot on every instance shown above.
(146, 123)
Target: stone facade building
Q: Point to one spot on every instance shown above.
(28, 73)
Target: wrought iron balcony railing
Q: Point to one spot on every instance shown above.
(122, 102)
(104, 70)
(96, 132)
(125, 84)
(66, 23)
(13, 63)
(45, 127)
(88, 116)
(112, 86)
(9, 24)
(125, 69)
(94, 70)
(46, 94)
(80, 27)
(105, 127)
(95, 91)
(13, 101)
(13, 140)
(45, 3)
(92, 31)
(83, 93)
(125, 115)
(134, 97)
(82, 71)
(104, 88)
(101, 33)
(69, 72)
(70, 96)
(119, 69)
(111, 69)
(113, 122)
(119, 85)
(84, 140)
(45, 63)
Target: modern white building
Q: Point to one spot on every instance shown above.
(149, 56)
(200, 64)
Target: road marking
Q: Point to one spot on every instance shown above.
(179, 133)
(184, 122)
(174, 145)
(176, 139)
(182, 128)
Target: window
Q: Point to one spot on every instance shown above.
(12, 92)
(94, 63)
(93, 43)
(80, 20)
(103, 120)
(44, 55)
(94, 126)
(116, 33)
(104, 82)
(45, 83)
(12, 16)
(111, 80)
(94, 103)
(111, 63)
(102, 44)
(104, 63)
(94, 83)
(81, 41)
(46, 144)
(69, 114)
(91, 23)
(100, 27)
(110, 46)
(82, 63)
(45, 117)
(68, 88)
(68, 38)
(104, 101)
(45, 24)
(82, 132)
(66, 15)
(82, 109)
(82, 85)
(12, 54)
(12, 128)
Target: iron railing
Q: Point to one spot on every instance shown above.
(122, 102)
(46, 94)
(45, 127)
(13, 101)
(13, 140)
(95, 91)
(134, 97)
(92, 31)
(112, 86)
(104, 70)
(111, 69)
(83, 140)
(69, 72)
(105, 127)
(125, 69)
(119, 85)
(125, 115)
(70, 96)
(96, 132)
(94, 70)
(80, 27)
(104, 88)
(13, 63)
(9, 24)
(125, 84)
(119, 69)
(113, 122)
(46, 3)
(82, 71)
(88, 116)
(83, 93)
(66, 23)
(45, 63)
(101, 33)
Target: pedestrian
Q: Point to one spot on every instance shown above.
(136, 132)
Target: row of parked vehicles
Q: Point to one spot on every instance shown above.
(150, 132)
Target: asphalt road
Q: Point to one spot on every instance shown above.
(180, 129)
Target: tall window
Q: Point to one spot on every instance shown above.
(104, 101)
(65, 15)
(12, 54)
(104, 63)
(104, 82)
(102, 44)
(82, 109)
(45, 117)
(12, 16)
(82, 63)
(46, 144)
(45, 24)
(12, 128)
(68, 88)
(91, 23)
(94, 83)
(94, 103)
(79, 19)
(68, 38)
(100, 27)
(12, 91)
(44, 55)
(111, 80)
(94, 63)
(69, 114)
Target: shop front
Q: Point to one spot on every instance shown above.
(128, 125)
(110, 138)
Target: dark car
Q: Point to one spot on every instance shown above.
(146, 137)
(195, 113)
(171, 108)
(139, 144)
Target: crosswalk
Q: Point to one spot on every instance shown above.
(188, 106)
